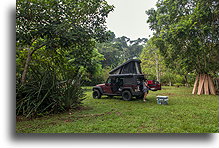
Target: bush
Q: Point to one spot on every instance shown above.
(178, 84)
(44, 93)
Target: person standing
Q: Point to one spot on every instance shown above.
(145, 89)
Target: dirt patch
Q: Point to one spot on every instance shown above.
(167, 94)
(22, 118)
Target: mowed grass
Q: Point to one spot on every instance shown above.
(186, 113)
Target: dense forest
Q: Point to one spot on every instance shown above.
(62, 45)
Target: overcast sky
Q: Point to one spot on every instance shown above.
(129, 18)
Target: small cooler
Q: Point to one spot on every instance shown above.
(162, 100)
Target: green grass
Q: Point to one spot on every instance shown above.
(186, 113)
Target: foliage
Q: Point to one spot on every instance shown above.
(118, 50)
(187, 34)
(153, 65)
(94, 71)
(52, 85)
(130, 48)
(71, 26)
(61, 23)
(45, 93)
(55, 52)
(152, 61)
(112, 55)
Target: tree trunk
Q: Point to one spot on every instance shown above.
(200, 85)
(204, 85)
(29, 56)
(211, 86)
(157, 68)
(194, 91)
(27, 63)
(186, 81)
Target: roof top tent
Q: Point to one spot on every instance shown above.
(129, 67)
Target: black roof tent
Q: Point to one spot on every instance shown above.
(129, 67)
(126, 75)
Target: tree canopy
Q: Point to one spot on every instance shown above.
(70, 25)
(120, 49)
(55, 51)
(187, 33)
(61, 22)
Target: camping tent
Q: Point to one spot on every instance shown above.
(130, 67)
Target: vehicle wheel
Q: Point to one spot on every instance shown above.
(126, 95)
(96, 94)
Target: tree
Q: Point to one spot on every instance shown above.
(130, 48)
(65, 24)
(152, 61)
(154, 67)
(119, 50)
(55, 50)
(187, 33)
(93, 74)
(112, 54)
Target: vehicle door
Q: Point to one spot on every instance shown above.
(107, 87)
(116, 85)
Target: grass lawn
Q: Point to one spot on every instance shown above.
(186, 113)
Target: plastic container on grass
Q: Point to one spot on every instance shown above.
(162, 100)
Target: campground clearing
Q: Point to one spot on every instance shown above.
(186, 113)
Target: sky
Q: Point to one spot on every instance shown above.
(129, 18)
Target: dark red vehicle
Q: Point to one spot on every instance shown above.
(154, 85)
(125, 85)
(126, 81)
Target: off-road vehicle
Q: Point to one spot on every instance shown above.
(125, 80)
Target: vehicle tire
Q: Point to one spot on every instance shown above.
(96, 94)
(126, 95)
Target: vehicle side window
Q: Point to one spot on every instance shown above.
(108, 80)
(119, 81)
(111, 80)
